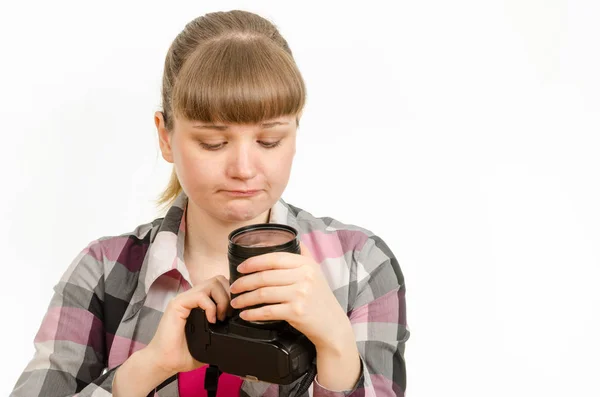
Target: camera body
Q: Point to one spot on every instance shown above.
(269, 351)
(274, 353)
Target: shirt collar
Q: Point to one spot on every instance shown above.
(166, 251)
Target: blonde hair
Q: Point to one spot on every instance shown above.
(228, 67)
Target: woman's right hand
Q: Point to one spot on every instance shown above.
(168, 348)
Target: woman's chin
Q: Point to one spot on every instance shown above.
(243, 213)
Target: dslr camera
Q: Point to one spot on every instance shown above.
(268, 351)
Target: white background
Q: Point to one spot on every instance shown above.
(464, 133)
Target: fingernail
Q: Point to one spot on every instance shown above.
(233, 302)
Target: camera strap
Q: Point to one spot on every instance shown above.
(211, 380)
(308, 379)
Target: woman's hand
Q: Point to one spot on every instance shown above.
(296, 291)
(168, 348)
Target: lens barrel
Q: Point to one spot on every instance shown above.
(259, 239)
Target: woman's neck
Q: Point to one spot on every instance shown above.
(206, 238)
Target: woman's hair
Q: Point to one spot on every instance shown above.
(228, 67)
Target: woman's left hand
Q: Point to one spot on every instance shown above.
(295, 290)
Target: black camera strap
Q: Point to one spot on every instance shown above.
(308, 379)
(211, 380)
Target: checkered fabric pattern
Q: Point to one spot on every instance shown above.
(108, 304)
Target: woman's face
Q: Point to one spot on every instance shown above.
(233, 172)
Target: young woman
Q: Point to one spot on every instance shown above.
(232, 99)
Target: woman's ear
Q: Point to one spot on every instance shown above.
(298, 116)
(164, 137)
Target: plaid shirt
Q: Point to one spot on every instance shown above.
(108, 304)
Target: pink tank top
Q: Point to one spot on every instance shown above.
(191, 384)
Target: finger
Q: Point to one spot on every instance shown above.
(266, 295)
(211, 297)
(274, 260)
(274, 312)
(304, 251)
(266, 278)
(225, 284)
(218, 293)
(182, 305)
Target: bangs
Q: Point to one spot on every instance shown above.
(238, 80)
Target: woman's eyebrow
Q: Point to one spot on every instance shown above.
(269, 124)
(273, 124)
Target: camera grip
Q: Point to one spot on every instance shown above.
(197, 335)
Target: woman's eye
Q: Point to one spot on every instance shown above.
(269, 145)
(216, 146)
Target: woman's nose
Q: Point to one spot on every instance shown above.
(241, 165)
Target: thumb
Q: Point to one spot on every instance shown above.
(304, 251)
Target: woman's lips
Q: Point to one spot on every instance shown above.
(241, 193)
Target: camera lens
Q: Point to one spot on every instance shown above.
(259, 239)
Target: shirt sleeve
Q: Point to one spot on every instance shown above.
(70, 350)
(378, 318)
